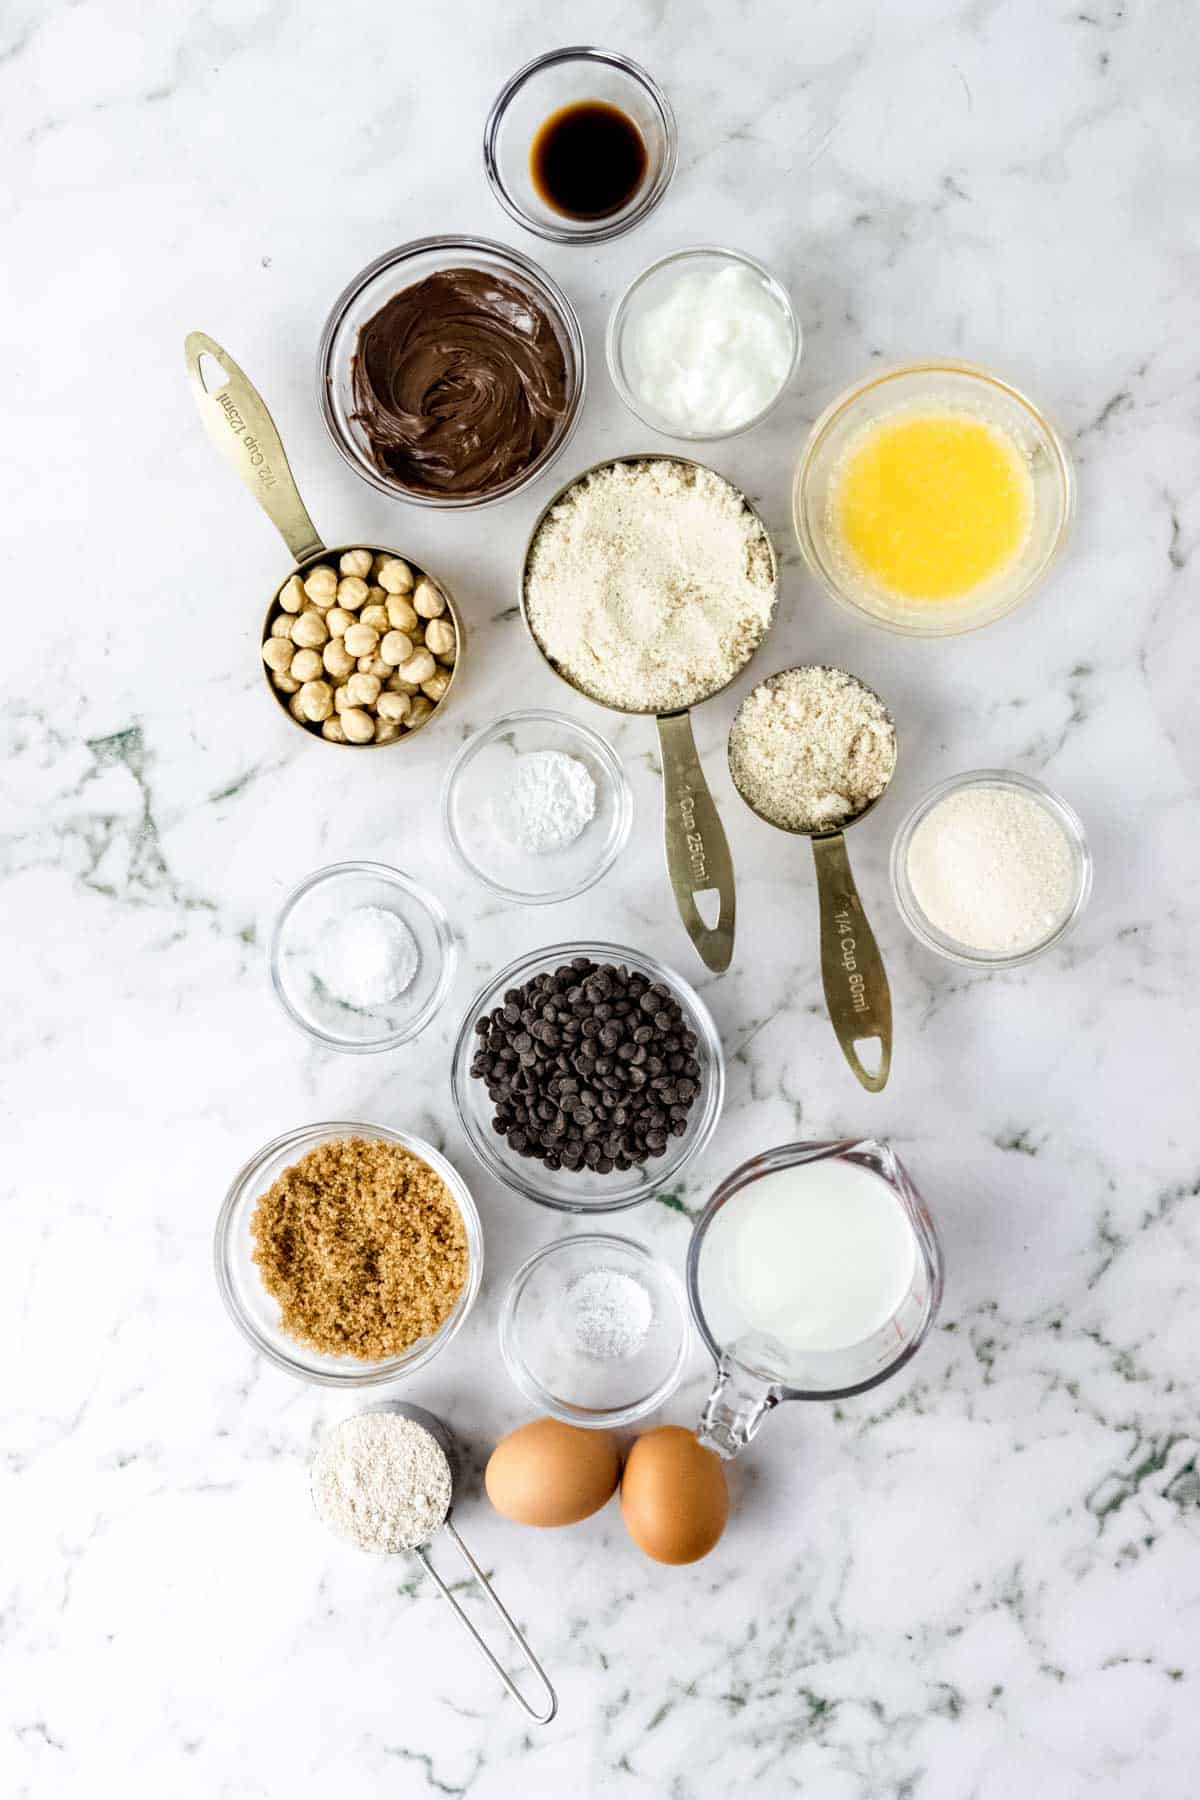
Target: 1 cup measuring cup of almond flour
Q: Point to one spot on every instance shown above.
(857, 994)
(365, 1523)
(813, 1273)
(236, 419)
(699, 861)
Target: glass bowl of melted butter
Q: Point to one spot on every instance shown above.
(932, 498)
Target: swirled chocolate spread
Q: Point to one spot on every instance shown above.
(459, 383)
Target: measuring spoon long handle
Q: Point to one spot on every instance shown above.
(244, 432)
(856, 983)
(547, 1713)
(697, 849)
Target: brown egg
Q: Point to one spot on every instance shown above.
(548, 1473)
(673, 1495)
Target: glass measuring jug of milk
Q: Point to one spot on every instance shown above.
(814, 1272)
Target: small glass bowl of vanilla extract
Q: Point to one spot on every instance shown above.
(580, 145)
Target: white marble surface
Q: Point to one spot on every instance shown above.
(982, 1581)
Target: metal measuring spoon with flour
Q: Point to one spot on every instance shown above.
(383, 1480)
(811, 750)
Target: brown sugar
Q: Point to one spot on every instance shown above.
(362, 1245)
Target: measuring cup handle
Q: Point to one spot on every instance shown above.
(734, 1410)
(547, 1713)
(697, 848)
(856, 983)
(244, 432)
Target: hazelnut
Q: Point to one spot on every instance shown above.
(359, 727)
(296, 709)
(436, 686)
(393, 706)
(308, 631)
(321, 585)
(418, 712)
(439, 636)
(341, 699)
(398, 685)
(386, 732)
(351, 593)
(281, 626)
(376, 616)
(394, 576)
(338, 621)
(331, 730)
(396, 648)
(418, 668)
(363, 690)
(374, 665)
(277, 653)
(428, 599)
(316, 700)
(360, 640)
(337, 659)
(285, 683)
(291, 595)
(356, 562)
(306, 665)
(401, 616)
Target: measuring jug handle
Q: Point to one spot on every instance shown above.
(239, 424)
(697, 849)
(736, 1407)
(547, 1713)
(856, 983)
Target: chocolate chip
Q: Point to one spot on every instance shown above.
(588, 1067)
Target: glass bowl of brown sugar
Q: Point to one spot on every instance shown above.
(408, 1268)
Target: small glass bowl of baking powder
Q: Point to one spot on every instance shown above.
(537, 807)
(594, 1330)
(361, 956)
(1018, 861)
(256, 1313)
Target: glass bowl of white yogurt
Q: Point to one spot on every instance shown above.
(703, 343)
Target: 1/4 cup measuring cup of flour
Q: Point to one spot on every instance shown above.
(813, 1273)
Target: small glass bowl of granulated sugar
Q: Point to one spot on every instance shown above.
(991, 868)
(594, 1330)
(537, 807)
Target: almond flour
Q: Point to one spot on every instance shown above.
(650, 584)
(811, 747)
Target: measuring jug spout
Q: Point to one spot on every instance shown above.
(736, 1407)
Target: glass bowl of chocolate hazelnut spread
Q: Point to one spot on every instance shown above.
(451, 372)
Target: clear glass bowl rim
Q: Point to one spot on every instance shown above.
(443, 931)
(306, 1137)
(879, 1157)
(511, 976)
(528, 1383)
(604, 754)
(601, 230)
(906, 903)
(537, 278)
(934, 365)
(617, 319)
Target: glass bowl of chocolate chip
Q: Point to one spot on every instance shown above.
(587, 1076)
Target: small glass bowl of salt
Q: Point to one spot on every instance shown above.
(361, 956)
(537, 807)
(594, 1330)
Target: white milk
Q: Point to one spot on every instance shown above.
(815, 1257)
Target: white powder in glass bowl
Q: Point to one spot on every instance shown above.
(991, 867)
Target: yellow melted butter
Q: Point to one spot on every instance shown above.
(929, 506)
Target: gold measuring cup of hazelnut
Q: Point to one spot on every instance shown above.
(360, 646)
(812, 750)
(699, 862)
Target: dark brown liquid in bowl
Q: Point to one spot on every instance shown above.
(588, 160)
